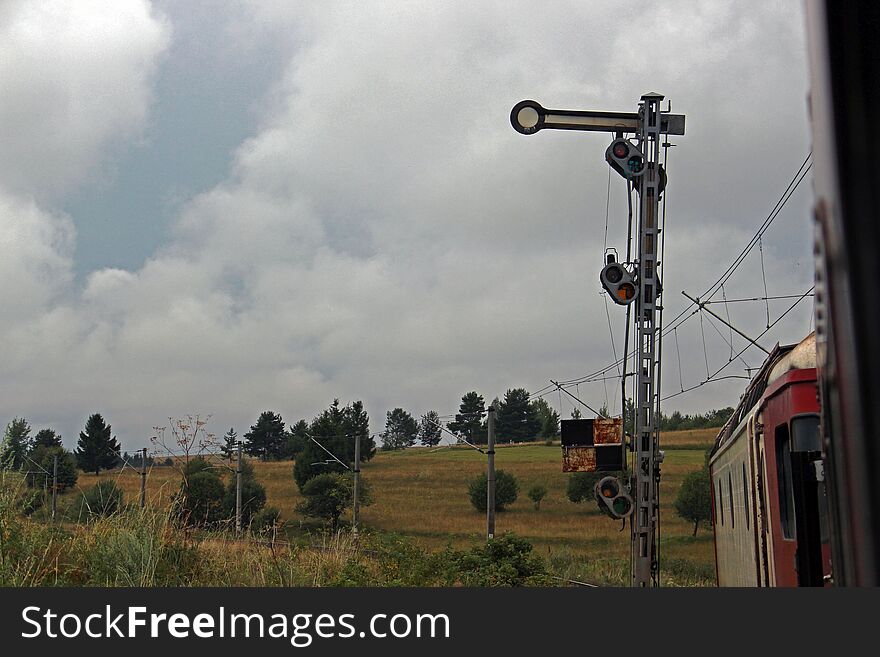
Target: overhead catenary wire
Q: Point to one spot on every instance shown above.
(714, 376)
(764, 278)
(687, 312)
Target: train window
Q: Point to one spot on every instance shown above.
(745, 494)
(783, 481)
(805, 434)
(730, 494)
(720, 501)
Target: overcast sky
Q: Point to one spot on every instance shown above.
(224, 208)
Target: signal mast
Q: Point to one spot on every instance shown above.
(585, 448)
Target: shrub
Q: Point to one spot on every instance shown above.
(102, 499)
(537, 493)
(506, 490)
(200, 500)
(196, 465)
(503, 561)
(266, 521)
(326, 496)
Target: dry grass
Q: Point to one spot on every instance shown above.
(422, 494)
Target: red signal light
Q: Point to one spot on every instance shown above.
(620, 150)
(626, 292)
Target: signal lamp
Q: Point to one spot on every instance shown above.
(625, 158)
(618, 282)
(612, 499)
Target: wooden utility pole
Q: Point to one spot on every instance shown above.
(238, 492)
(143, 477)
(490, 477)
(355, 504)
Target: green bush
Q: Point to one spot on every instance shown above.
(196, 465)
(102, 499)
(327, 496)
(537, 493)
(506, 490)
(266, 521)
(200, 500)
(503, 561)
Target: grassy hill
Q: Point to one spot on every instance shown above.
(422, 494)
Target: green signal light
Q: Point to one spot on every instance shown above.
(621, 506)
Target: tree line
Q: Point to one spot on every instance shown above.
(97, 449)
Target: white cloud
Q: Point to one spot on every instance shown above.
(76, 75)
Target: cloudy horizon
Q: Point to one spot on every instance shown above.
(226, 208)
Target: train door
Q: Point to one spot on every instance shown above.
(753, 494)
(808, 494)
(795, 493)
(762, 520)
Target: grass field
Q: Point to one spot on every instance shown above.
(422, 494)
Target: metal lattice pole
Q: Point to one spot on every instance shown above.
(645, 567)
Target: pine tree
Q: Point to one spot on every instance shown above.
(335, 428)
(430, 432)
(229, 446)
(548, 417)
(266, 437)
(96, 448)
(46, 438)
(468, 421)
(296, 439)
(15, 445)
(401, 430)
(515, 418)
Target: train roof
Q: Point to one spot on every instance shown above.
(781, 360)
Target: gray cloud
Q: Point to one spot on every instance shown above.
(386, 235)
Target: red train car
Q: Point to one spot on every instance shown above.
(769, 513)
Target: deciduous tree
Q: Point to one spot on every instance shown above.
(693, 501)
